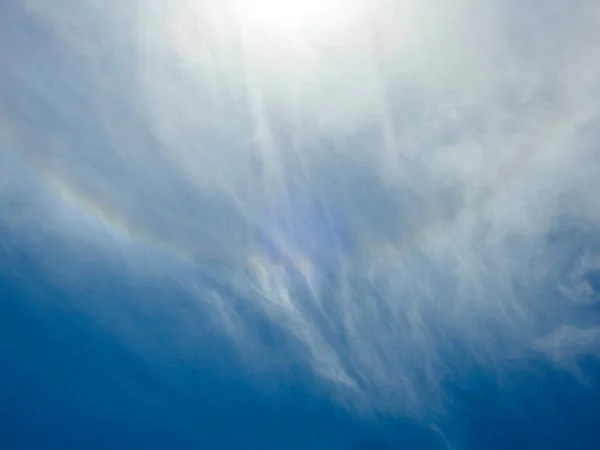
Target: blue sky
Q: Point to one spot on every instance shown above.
(375, 226)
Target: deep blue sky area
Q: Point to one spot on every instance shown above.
(66, 383)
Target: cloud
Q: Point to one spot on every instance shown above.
(569, 341)
(399, 203)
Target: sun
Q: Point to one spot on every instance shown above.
(292, 16)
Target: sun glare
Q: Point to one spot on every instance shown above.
(292, 16)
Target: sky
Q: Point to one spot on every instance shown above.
(333, 225)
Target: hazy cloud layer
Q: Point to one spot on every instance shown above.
(399, 197)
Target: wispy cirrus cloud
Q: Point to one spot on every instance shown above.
(400, 198)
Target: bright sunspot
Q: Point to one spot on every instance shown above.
(293, 16)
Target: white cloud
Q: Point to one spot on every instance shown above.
(568, 343)
(449, 150)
